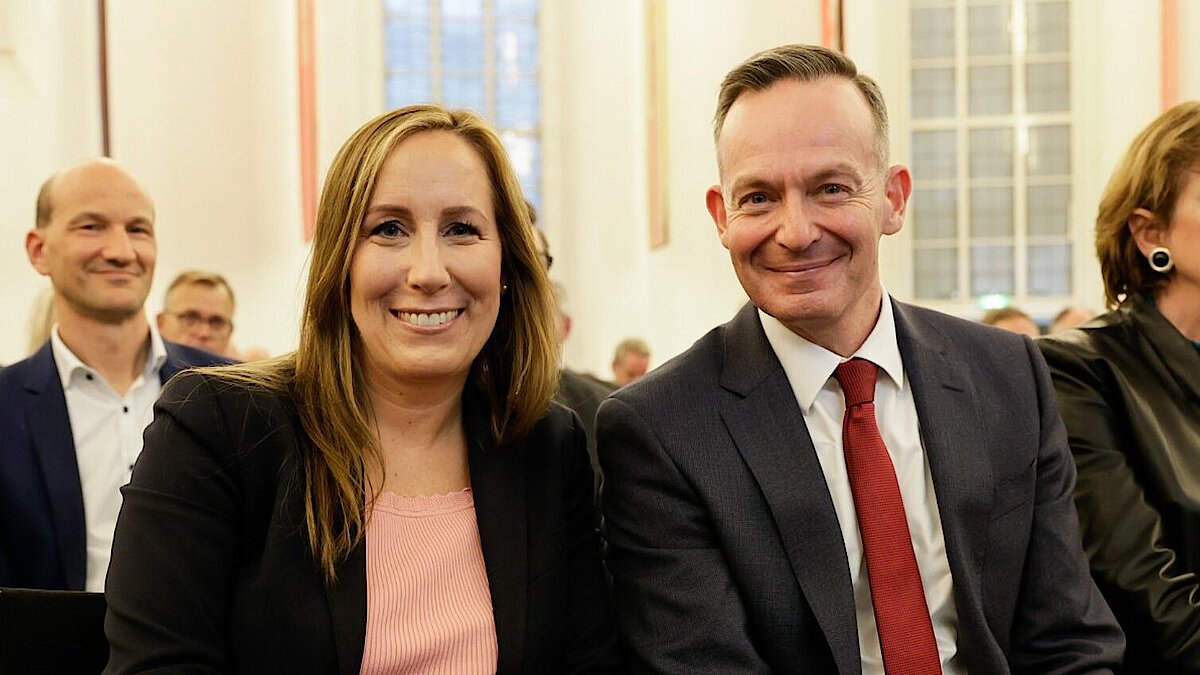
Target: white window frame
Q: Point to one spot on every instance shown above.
(878, 39)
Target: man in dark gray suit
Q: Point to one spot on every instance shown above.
(834, 481)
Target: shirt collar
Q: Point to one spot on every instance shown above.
(809, 366)
(68, 363)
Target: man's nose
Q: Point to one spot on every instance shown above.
(798, 229)
(118, 246)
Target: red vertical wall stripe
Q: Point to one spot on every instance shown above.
(307, 79)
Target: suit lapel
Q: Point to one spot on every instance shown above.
(769, 431)
(50, 430)
(173, 364)
(951, 433)
(498, 484)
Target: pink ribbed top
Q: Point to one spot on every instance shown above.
(429, 609)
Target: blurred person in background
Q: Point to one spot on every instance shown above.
(72, 413)
(198, 311)
(1011, 319)
(631, 360)
(1128, 388)
(41, 319)
(1070, 317)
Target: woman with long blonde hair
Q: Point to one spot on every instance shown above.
(399, 495)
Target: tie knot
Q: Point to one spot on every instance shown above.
(857, 377)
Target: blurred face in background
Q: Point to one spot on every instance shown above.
(629, 367)
(1019, 324)
(199, 315)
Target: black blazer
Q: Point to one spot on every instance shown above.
(211, 570)
(724, 545)
(42, 529)
(1128, 387)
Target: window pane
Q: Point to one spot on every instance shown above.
(525, 153)
(462, 45)
(991, 153)
(1048, 208)
(516, 45)
(991, 212)
(517, 102)
(1048, 87)
(990, 90)
(1049, 27)
(992, 269)
(1049, 269)
(932, 33)
(934, 213)
(1049, 151)
(407, 43)
(527, 8)
(408, 7)
(935, 154)
(933, 92)
(464, 92)
(989, 29)
(462, 9)
(935, 273)
(407, 89)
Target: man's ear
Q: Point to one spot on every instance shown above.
(160, 319)
(1147, 231)
(35, 249)
(897, 189)
(715, 200)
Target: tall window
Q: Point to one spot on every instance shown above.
(991, 149)
(477, 54)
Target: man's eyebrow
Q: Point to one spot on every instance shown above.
(88, 215)
(752, 182)
(95, 216)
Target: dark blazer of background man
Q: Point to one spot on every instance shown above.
(94, 239)
(726, 549)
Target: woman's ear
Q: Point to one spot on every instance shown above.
(1146, 229)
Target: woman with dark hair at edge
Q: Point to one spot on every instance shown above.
(1128, 388)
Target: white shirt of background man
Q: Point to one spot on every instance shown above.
(107, 429)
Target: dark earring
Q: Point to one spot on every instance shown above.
(1160, 260)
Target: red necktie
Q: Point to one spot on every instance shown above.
(901, 615)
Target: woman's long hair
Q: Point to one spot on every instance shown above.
(516, 372)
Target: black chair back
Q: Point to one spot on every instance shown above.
(59, 632)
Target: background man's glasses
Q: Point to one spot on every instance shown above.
(217, 324)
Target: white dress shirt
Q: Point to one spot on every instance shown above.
(107, 429)
(809, 370)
